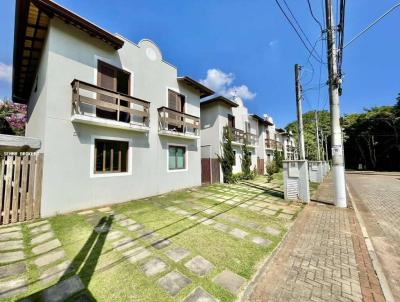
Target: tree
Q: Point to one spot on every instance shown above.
(12, 118)
(372, 138)
(246, 162)
(278, 158)
(310, 141)
(227, 159)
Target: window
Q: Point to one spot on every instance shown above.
(247, 127)
(176, 158)
(176, 101)
(115, 79)
(231, 121)
(110, 156)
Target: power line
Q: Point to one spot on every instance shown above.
(297, 22)
(312, 14)
(297, 32)
(372, 24)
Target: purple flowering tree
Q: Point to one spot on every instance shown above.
(13, 118)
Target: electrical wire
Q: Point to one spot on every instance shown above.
(312, 14)
(297, 32)
(372, 24)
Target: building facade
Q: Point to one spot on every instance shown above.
(115, 121)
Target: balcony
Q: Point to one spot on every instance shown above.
(178, 124)
(273, 144)
(99, 106)
(240, 137)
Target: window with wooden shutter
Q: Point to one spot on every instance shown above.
(110, 156)
(176, 101)
(231, 121)
(106, 78)
(115, 79)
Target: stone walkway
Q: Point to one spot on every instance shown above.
(323, 259)
(13, 272)
(33, 259)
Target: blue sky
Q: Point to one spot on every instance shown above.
(248, 47)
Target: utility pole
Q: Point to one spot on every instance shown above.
(322, 145)
(336, 133)
(302, 153)
(317, 136)
(326, 149)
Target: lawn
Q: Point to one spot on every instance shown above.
(233, 228)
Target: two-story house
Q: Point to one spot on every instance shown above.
(278, 139)
(218, 112)
(115, 120)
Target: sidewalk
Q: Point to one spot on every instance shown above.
(323, 259)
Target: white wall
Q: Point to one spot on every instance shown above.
(68, 184)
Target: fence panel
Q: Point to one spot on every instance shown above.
(20, 187)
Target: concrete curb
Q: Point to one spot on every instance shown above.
(387, 292)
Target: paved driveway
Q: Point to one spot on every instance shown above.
(377, 196)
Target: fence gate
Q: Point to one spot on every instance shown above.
(210, 167)
(260, 166)
(20, 187)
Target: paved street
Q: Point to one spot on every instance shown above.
(323, 259)
(377, 197)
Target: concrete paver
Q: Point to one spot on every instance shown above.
(230, 281)
(320, 260)
(376, 196)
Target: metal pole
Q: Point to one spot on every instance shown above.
(336, 134)
(326, 148)
(302, 152)
(317, 136)
(322, 145)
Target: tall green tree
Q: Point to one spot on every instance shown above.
(372, 138)
(227, 159)
(310, 141)
(278, 158)
(246, 161)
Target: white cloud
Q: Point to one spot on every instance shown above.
(5, 72)
(217, 80)
(221, 83)
(242, 92)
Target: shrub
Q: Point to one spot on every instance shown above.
(270, 168)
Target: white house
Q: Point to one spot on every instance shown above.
(218, 112)
(115, 120)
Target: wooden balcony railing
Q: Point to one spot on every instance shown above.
(241, 136)
(172, 120)
(91, 99)
(273, 144)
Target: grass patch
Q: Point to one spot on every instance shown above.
(107, 274)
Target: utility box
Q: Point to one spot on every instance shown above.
(295, 179)
(316, 171)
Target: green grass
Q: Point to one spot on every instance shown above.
(106, 274)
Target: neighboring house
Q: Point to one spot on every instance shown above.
(218, 112)
(278, 139)
(115, 121)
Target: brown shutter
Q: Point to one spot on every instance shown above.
(106, 78)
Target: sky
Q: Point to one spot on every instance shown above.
(247, 48)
